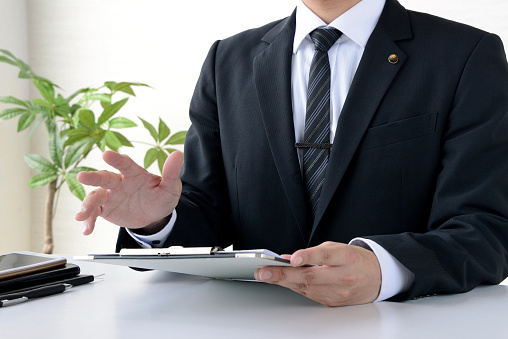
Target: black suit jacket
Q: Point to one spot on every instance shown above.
(419, 163)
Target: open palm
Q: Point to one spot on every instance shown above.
(133, 198)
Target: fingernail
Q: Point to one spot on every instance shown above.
(298, 261)
(266, 275)
(82, 209)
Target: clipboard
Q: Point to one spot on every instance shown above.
(210, 262)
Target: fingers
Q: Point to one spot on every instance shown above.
(106, 179)
(334, 274)
(172, 168)
(328, 285)
(89, 224)
(328, 253)
(289, 276)
(123, 163)
(91, 209)
(102, 179)
(93, 200)
(309, 283)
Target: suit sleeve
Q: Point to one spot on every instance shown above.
(467, 239)
(204, 217)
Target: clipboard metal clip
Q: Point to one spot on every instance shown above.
(168, 251)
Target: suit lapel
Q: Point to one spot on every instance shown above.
(272, 71)
(372, 79)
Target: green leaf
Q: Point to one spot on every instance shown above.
(6, 52)
(38, 109)
(123, 140)
(126, 88)
(161, 159)
(34, 127)
(76, 135)
(112, 141)
(110, 85)
(7, 60)
(110, 111)
(47, 91)
(75, 187)
(102, 145)
(24, 74)
(10, 113)
(76, 131)
(46, 81)
(150, 129)
(150, 157)
(40, 163)
(42, 179)
(75, 151)
(74, 172)
(75, 115)
(64, 111)
(105, 105)
(177, 139)
(41, 102)
(139, 84)
(78, 92)
(56, 147)
(170, 150)
(60, 100)
(25, 121)
(99, 97)
(75, 108)
(13, 100)
(121, 123)
(164, 130)
(87, 118)
(73, 140)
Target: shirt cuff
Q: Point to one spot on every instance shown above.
(154, 240)
(395, 277)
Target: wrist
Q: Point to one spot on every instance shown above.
(154, 227)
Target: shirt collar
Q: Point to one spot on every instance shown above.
(356, 24)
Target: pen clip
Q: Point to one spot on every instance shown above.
(216, 249)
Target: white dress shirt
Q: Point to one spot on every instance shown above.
(356, 26)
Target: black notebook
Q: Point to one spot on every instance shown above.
(39, 278)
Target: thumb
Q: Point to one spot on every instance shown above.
(172, 168)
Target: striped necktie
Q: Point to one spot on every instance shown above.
(316, 143)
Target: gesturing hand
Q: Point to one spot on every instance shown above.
(133, 198)
(346, 275)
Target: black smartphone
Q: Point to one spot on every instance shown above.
(17, 264)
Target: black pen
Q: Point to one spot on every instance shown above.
(16, 298)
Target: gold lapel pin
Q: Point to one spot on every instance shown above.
(393, 59)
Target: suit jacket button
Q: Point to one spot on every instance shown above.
(393, 59)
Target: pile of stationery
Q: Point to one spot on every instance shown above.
(28, 275)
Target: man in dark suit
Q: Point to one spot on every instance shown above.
(415, 193)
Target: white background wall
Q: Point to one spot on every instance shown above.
(14, 174)
(82, 43)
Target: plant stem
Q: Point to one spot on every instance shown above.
(145, 143)
(48, 218)
(57, 196)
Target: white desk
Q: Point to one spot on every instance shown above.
(131, 304)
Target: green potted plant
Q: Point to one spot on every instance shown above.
(75, 125)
